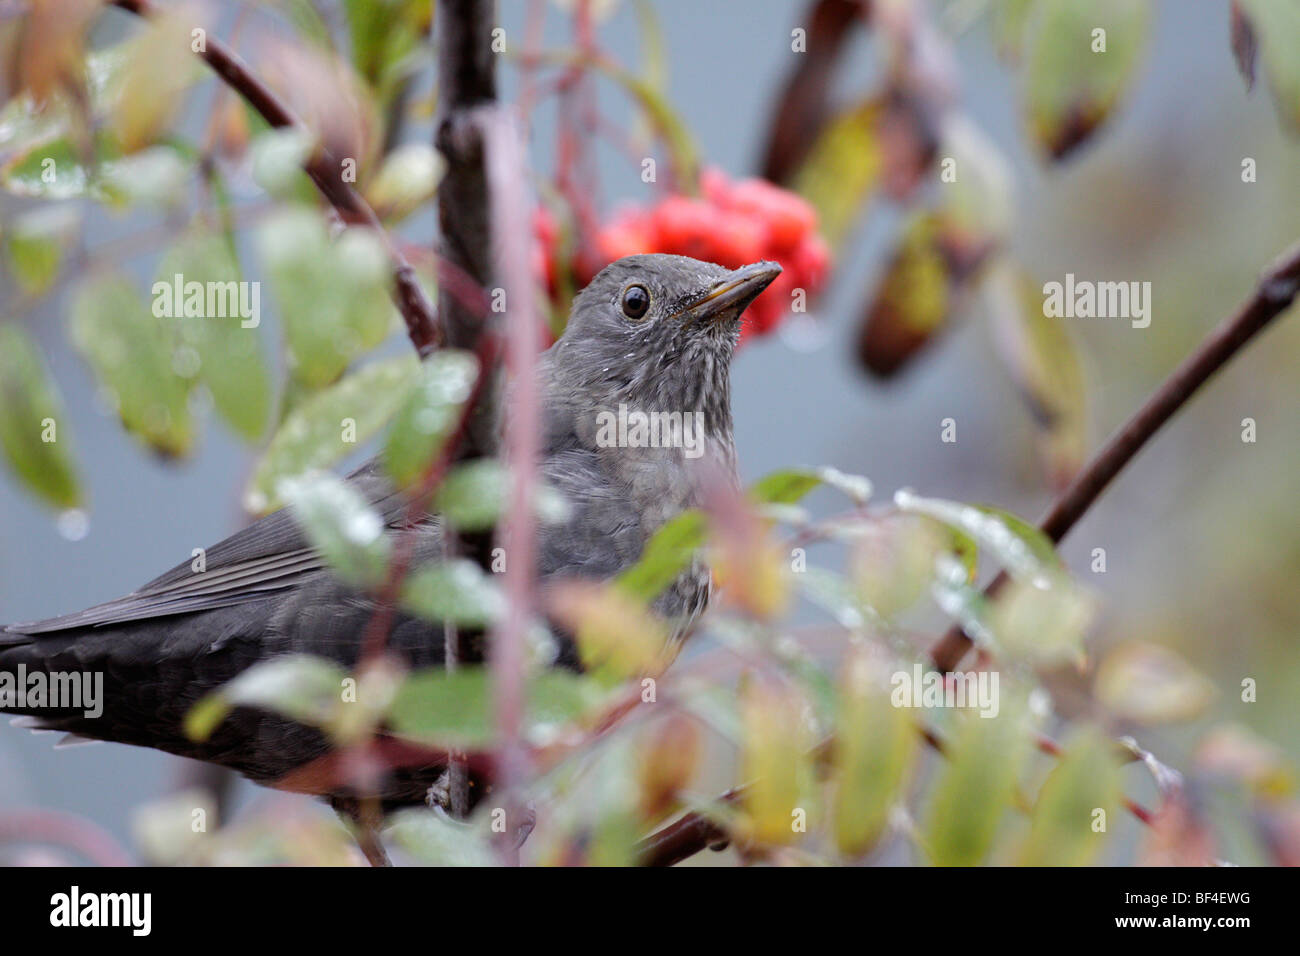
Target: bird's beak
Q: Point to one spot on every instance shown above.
(731, 294)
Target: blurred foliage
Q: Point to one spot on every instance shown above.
(827, 730)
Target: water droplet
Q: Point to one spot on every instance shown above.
(363, 528)
(804, 332)
(73, 524)
(186, 362)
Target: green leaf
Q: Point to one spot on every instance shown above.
(277, 160)
(302, 687)
(784, 487)
(1076, 805)
(332, 295)
(422, 424)
(457, 591)
(31, 417)
(34, 245)
(975, 785)
(666, 554)
(29, 136)
(406, 180)
(327, 426)
(133, 354)
(227, 346)
(1277, 27)
(341, 525)
(456, 709)
(473, 495)
(1070, 90)
(875, 743)
(791, 485)
(53, 169)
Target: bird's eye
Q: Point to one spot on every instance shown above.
(636, 301)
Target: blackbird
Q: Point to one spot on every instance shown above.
(650, 334)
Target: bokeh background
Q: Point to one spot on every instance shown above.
(1201, 532)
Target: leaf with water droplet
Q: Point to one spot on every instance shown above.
(341, 525)
(1020, 547)
(457, 591)
(328, 425)
(131, 351)
(422, 424)
(305, 688)
(34, 245)
(226, 342)
(332, 294)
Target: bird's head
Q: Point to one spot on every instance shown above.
(658, 331)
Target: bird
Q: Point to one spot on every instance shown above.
(650, 333)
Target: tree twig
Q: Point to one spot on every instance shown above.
(325, 172)
(1275, 291)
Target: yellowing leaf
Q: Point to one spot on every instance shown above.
(875, 743)
(843, 169)
(1077, 805)
(975, 785)
(1041, 357)
(159, 67)
(617, 636)
(1151, 684)
(1276, 26)
(1071, 84)
(775, 764)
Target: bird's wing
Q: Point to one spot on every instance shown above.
(270, 554)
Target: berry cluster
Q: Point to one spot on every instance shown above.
(730, 223)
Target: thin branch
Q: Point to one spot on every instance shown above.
(507, 178)
(324, 170)
(1274, 293)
